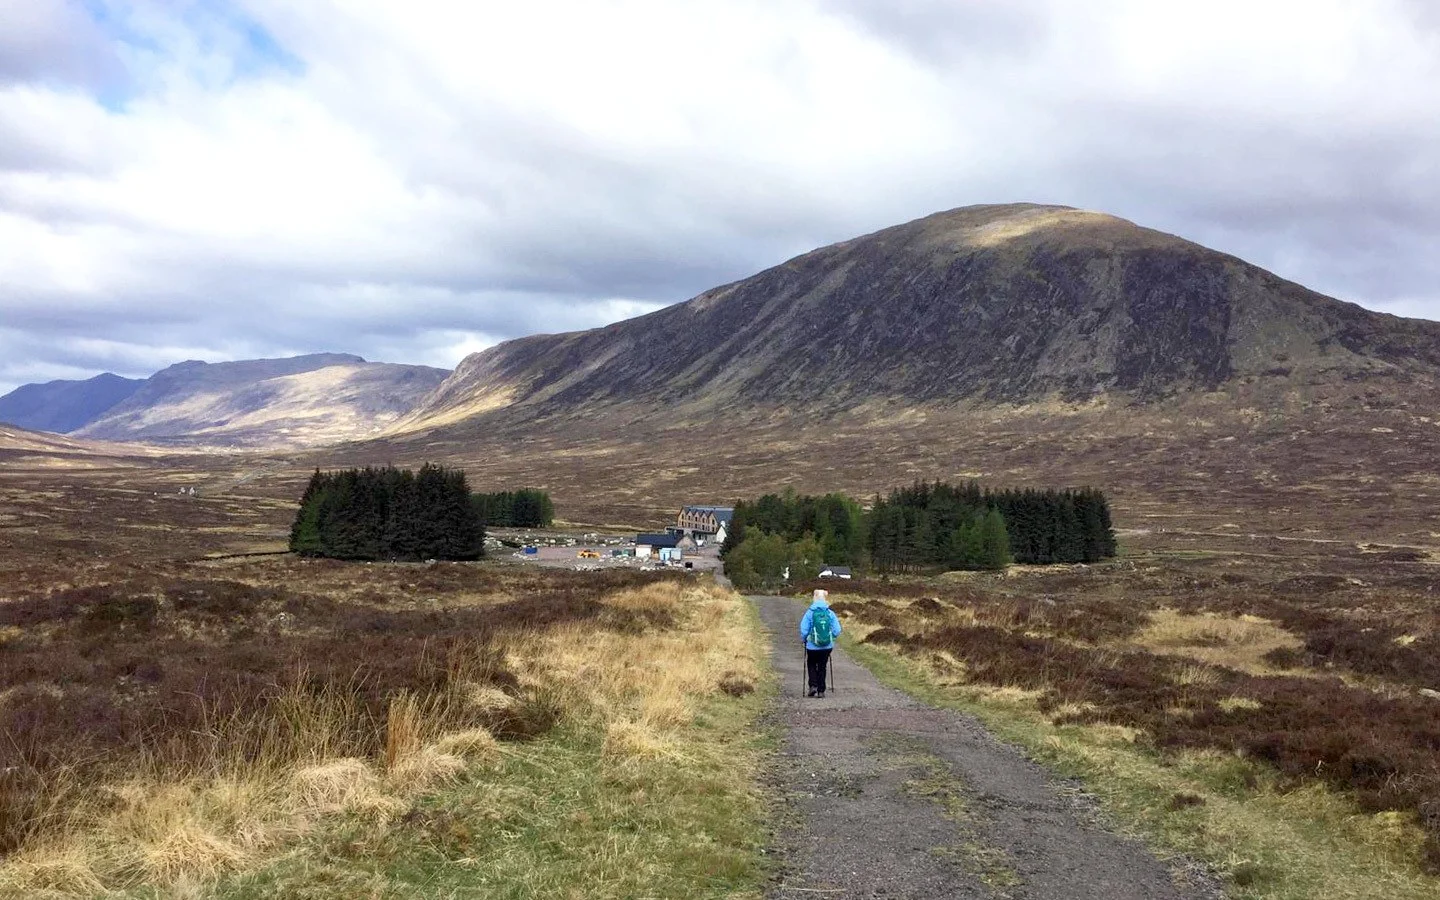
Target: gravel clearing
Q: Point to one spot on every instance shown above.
(884, 797)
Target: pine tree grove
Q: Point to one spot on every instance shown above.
(525, 508)
(388, 514)
(926, 526)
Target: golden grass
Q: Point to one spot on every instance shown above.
(645, 686)
(172, 832)
(473, 744)
(1236, 642)
(337, 785)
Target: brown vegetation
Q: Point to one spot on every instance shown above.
(183, 672)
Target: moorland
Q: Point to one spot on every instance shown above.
(1269, 629)
(192, 713)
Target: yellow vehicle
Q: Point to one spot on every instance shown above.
(588, 554)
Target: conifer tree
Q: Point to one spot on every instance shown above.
(305, 532)
(993, 541)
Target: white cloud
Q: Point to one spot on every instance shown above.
(412, 181)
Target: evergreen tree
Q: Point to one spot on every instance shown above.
(993, 541)
(402, 528)
(305, 532)
(388, 513)
(929, 525)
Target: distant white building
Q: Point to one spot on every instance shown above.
(835, 572)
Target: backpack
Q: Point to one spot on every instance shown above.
(821, 632)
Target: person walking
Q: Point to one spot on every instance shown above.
(818, 629)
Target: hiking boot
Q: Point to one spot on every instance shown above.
(821, 695)
(812, 693)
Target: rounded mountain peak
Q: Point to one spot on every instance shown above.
(997, 303)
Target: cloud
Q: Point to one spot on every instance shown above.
(54, 41)
(229, 178)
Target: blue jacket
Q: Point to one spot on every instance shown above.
(819, 607)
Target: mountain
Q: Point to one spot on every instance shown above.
(985, 304)
(300, 401)
(1020, 345)
(61, 406)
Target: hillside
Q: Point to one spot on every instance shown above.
(988, 304)
(1019, 345)
(301, 401)
(61, 406)
(15, 441)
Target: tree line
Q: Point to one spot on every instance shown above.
(388, 513)
(958, 526)
(925, 526)
(525, 508)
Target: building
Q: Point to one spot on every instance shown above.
(835, 572)
(647, 544)
(705, 521)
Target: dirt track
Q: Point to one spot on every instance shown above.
(887, 798)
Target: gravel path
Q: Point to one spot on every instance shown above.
(884, 797)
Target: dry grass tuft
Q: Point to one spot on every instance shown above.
(625, 739)
(334, 786)
(1195, 676)
(736, 685)
(471, 744)
(50, 872)
(189, 850)
(1231, 704)
(488, 699)
(422, 769)
(403, 730)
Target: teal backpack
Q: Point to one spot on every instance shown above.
(821, 634)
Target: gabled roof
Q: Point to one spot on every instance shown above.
(657, 540)
(721, 513)
(836, 570)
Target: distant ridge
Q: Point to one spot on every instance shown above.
(300, 401)
(61, 406)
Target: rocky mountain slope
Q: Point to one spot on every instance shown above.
(61, 406)
(987, 304)
(301, 401)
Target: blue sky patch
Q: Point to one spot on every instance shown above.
(219, 29)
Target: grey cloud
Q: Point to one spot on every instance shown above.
(54, 40)
(940, 31)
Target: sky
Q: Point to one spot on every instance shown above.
(415, 181)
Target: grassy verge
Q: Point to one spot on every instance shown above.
(647, 790)
(1270, 840)
(605, 753)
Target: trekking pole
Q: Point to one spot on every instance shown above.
(832, 671)
(804, 669)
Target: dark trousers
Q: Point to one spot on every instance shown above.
(815, 663)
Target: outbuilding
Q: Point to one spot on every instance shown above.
(648, 544)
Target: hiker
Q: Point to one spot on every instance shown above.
(818, 629)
